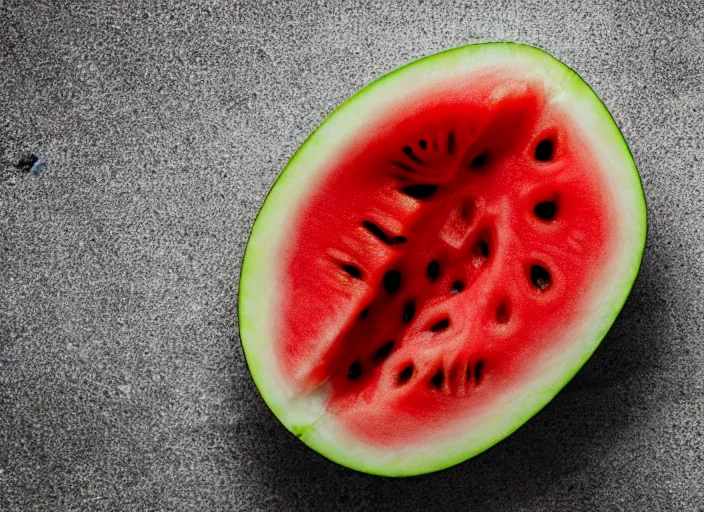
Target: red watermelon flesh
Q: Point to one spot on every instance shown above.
(438, 255)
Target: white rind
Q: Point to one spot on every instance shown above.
(259, 310)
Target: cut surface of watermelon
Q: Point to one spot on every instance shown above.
(439, 258)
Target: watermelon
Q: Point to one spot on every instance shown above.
(439, 258)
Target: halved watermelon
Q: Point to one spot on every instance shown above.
(439, 258)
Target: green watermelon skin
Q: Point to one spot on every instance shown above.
(304, 382)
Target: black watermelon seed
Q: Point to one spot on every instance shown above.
(543, 151)
(438, 379)
(468, 373)
(409, 311)
(379, 233)
(364, 314)
(478, 368)
(408, 150)
(502, 314)
(483, 248)
(392, 281)
(419, 191)
(375, 230)
(352, 271)
(441, 325)
(423, 144)
(457, 287)
(384, 351)
(479, 161)
(546, 210)
(405, 374)
(433, 270)
(540, 277)
(450, 143)
(354, 371)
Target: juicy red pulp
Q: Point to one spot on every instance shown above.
(441, 254)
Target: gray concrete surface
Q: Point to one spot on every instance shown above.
(164, 123)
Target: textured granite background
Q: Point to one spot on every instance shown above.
(122, 382)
